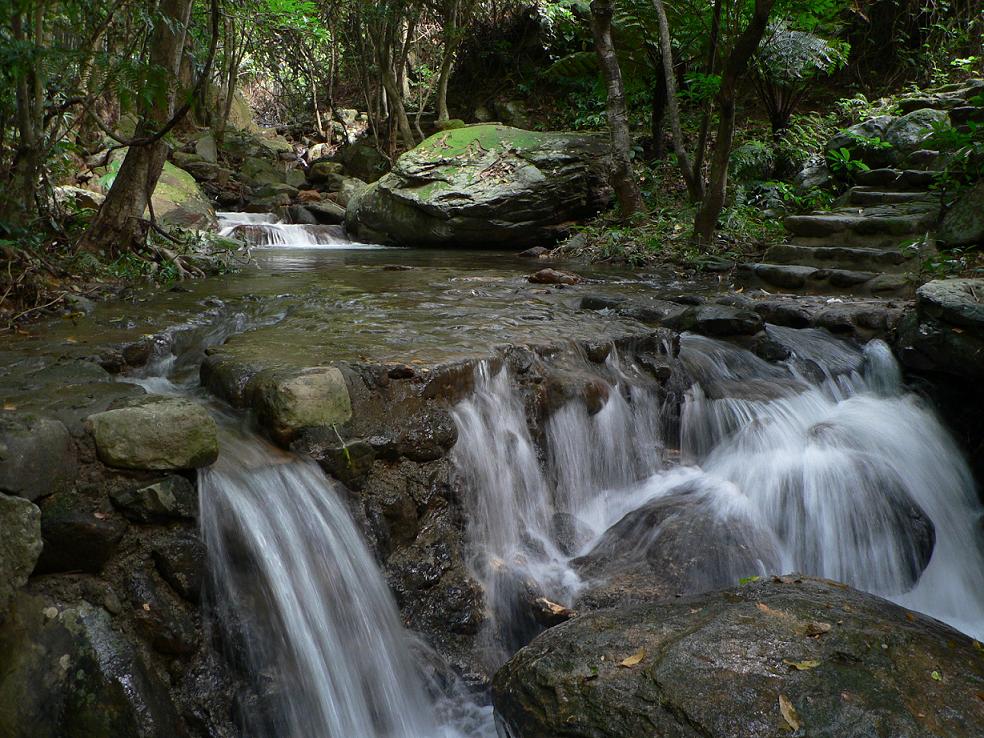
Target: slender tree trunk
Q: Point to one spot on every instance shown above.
(119, 224)
(444, 76)
(623, 177)
(734, 68)
(657, 116)
(22, 197)
(705, 123)
(692, 179)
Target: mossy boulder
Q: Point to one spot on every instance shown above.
(288, 402)
(156, 433)
(37, 456)
(963, 224)
(68, 672)
(485, 186)
(782, 656)
(20, 545)
(179, 201)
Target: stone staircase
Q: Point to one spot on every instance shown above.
(876, 237)
(868, 244)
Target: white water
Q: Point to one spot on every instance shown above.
(827, 453)
(295, 592)
(264, 230)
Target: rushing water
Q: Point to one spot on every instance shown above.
(823, 464)
(293, 589)
(264, 230)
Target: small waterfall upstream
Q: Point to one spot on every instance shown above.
(824, 464)
(264, 230)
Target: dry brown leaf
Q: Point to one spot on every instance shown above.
(789, 713)
(634, 658)
(146, 606)
(814, 628)
(802, 665)
(9, 406)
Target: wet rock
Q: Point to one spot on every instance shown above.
(158, 616)
(784, 312)
(20, 545)
(68, 672)
(349, 462)
(724, 320)
(723, 664)
(679, 543)
(945, 334)
(157, 433)
(181, 563)
(570, 532)
(553, 276)
(326, 212)
(37, 456)
(601, 302)
(285, 404)
(430, 436)
(77, 535)
(485, 185)
(171, 498)
(536, 252)
(959, 302)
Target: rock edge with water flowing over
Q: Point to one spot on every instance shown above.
(784, 656)
(485, 186)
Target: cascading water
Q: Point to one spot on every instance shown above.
(292, 579)
(293, 589)
(823, 464)
(264, 230)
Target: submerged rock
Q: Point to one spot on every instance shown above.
(553, 276)
(485, 185)
(157, 433)
(766, 659)
(695, 538)
(20, 545)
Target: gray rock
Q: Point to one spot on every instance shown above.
(158, 615)
(181, 563)
(172, 498)
(68, 672)
(347, 189)
(485, 185)
(724, 664)
(78, 535)
(158, 433)
(323, 171)
(326, 212)
(963, 223)
(959, 302)
(37, 456)
(288, 403)
(907, 133)
(876, 127)
(20, 545)
(363, 161)
(205, 147)
(724, 320)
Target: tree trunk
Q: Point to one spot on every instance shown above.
(734, 68)
(22, 195)
(695, 186)
(119, 223)
(623, 177)
(705, 123)
(444, 76)
(657, 116)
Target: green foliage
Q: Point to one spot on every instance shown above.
(842, 163)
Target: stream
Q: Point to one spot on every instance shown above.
(823, 463)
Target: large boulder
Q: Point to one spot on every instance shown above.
(487, 186)
(784, 656)
(963, 223)
(288, 403)
(911, 131)
(37, 456)
(699, 536)
(68, 673)
(363, 161)
(20, 545)
(179, 201)
(156, 433)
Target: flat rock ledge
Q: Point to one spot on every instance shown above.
(783, 656)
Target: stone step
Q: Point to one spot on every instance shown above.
(872, 196)
(839, 257)
(798, 277)
(898, 179)
(876, 221)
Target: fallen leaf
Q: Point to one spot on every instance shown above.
(802, 665)
(146, 607)
(789, 712)
(634, 658)
(9, 406)
(980, 696)
(814, 629)
(99, 516)
(937, 677)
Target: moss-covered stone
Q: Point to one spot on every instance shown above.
(179, 201)
(485, 185)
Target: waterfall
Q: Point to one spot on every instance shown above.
(264, 230)
(297, 589)
(825, 462)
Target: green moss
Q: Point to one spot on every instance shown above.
(474, 139)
